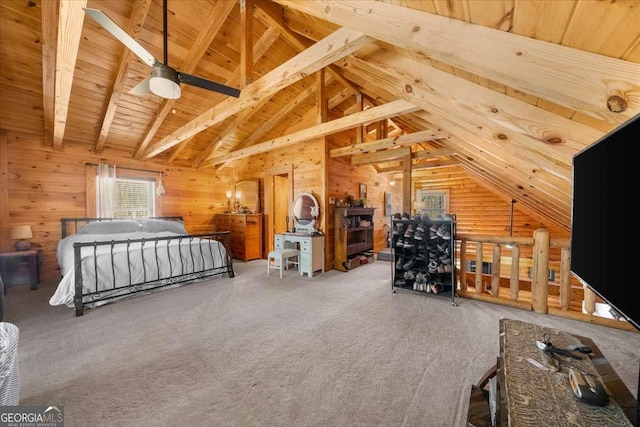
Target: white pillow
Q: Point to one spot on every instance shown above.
(112, 226)
(160, 225)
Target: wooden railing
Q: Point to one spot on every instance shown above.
(521, 278)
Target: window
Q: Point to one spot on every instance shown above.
(432, 202)
(135, 194)
(134, 198)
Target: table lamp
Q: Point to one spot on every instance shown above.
(22, 233)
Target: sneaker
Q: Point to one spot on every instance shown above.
(410, 231)
(396, 216)
(434, 228)
(418, 235)
(440, 269)
(422, 256)
(433, 267)
(400, 242)
(425, 217)
(446, 235)
(447, 268)
(433, 235)
(409, 275)
(441, 230)
(405, 217)
(408, 244)
(420, 227)
(436, 288)
(399, 263)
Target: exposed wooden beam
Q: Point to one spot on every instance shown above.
(5, 245)
(136, 21)
(246, 42)
(321, 98)
(429, 154)
(382, 144)
(333, 47)
(231, 128)
(71, 17)
(260, 48)
(215, 19)
(546, 70)
(269, 14)
(49, 35)
(390, 109)
(275, 119)
(381, 156)
(431, 164)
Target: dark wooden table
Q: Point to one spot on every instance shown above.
(20, 268)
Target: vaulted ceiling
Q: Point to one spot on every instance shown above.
(509, 90)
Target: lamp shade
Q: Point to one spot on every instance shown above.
(21, 232)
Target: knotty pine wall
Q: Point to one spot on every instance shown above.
(39, 186)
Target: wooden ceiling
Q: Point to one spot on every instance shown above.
(509, 90)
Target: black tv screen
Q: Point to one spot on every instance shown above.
(605, 219)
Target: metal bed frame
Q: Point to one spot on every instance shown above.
(118, 290)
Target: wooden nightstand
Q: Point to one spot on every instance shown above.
(20, 268)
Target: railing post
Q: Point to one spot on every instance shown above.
(540, 280)
(514, 281)
(479, 268)
(589, 301)
(463, 265)
(565, 278)
(495, 271)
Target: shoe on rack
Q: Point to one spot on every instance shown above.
(420, 227)
(418, 235)
(399, 263)
(405, 217)
(433, 235)
(440, 269)
(442, 229)
(436, 288)
(447, 268)
(445, 259)
(410, 230)
(433, 267)
(446, 235)
(396, 216)
(409, 265)
(400, 242)
(434, 228)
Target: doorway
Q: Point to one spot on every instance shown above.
(278, 194)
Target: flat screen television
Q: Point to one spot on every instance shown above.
(605, 220)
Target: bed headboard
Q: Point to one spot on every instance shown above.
(71, 225)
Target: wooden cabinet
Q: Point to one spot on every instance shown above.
(245, 234)
(353, 233)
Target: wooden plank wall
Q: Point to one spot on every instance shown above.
(44, 185)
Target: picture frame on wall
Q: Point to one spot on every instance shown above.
(363, 191)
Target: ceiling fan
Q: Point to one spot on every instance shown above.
(164, 80)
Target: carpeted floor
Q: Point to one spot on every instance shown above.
(338, 349)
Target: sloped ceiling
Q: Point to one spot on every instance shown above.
(509, 90)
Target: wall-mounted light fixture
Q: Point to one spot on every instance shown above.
(160, 189)
(22, 234)
(237, 204)
(229, 194)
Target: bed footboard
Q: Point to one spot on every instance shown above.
(110, 270)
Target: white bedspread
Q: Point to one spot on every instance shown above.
(175, 258)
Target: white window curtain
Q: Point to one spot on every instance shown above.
(106, 188)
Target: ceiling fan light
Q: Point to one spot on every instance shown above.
(164, 82)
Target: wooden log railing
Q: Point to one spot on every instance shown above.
(528, 254)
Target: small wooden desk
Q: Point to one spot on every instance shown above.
(527, 393)
(20, 268)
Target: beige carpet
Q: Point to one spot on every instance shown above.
(338, 349)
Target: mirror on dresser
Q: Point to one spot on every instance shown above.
(247, 194)
(305, 210)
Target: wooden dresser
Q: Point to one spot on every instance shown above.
(246, 234)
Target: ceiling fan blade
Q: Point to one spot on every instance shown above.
(208, 84)
(135, 47)
(141, 88)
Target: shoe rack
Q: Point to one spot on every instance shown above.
(423, 254)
